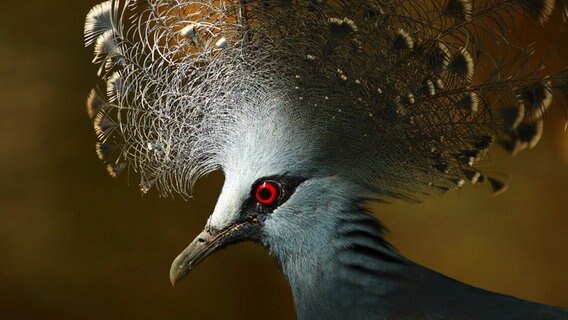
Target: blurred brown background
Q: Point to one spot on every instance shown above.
(74, 244)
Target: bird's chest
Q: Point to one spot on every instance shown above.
(323, 294)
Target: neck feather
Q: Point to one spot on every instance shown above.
(358, 275)
(355, 267)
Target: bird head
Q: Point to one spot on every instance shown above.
(275, 192)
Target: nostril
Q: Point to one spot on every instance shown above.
(201, 240)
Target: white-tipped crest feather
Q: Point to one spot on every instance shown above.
(99, 20)
(385, 95)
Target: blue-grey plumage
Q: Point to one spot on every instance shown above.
(311, 109)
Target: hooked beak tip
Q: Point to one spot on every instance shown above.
(198, 249)
(173, 278)
(202, 246)
(177, 275)
(178, 270)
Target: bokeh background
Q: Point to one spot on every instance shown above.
(74, 244)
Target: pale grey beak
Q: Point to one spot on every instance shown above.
(201, 247)
(207, 242)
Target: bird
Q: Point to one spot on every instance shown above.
(312, 109)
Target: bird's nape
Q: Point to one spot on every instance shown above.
(310, 108)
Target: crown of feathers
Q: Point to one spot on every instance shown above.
(399, 95)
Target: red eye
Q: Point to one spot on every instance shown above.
(266, 193)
